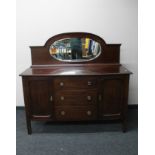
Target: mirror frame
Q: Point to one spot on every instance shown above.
(96, 38)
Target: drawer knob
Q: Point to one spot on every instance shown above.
(88, 98)
(62, 113)
(89, 83)
(89, 113)
(61, 84)
(62, 98)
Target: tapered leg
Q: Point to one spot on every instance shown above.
(29, 129)
(27, 106)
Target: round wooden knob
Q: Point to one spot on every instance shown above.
(61, 84)
(89, 113)
(63, 113)
(62, 98)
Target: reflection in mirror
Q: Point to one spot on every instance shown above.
(75, 49)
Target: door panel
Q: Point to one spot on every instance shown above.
(111, 104)
(39, 98)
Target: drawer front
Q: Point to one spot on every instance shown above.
(72, 113)
(76, 98)
(75, 83)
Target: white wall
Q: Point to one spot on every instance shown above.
(114, 20)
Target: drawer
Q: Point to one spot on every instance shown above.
(72, 113)
(75, 83)
(76, 97)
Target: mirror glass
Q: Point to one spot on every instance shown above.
(75, 49)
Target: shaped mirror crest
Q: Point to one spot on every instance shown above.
(75, 49)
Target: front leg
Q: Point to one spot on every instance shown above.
(28, 123)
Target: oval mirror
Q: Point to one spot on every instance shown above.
(75, 49)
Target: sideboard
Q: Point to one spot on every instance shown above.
(91, 88)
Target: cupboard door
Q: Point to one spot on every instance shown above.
(112, 97)
(39, 94)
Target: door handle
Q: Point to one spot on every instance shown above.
(51, 98)
(89, 83)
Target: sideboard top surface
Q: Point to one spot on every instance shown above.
(75, 71)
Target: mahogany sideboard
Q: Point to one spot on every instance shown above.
(76, 90)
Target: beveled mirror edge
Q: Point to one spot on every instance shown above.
(76, 60)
